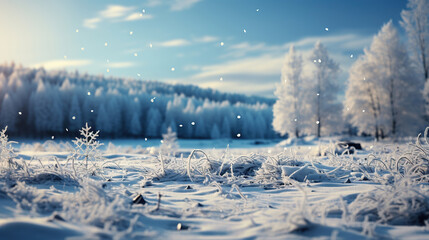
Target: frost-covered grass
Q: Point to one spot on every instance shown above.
(293, 191)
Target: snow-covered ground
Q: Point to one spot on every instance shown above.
(296, 189)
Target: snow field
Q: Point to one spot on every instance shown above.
(273, 193)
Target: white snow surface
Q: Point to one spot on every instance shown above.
(277, 192)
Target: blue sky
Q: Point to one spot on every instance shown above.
(187, 35)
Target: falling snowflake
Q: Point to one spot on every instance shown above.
(351, 55)
(131, 32)
(105, 44)
(244, 30)
(82, 48)
(143, 11)
(257, 10)
(20, 113)
(295, 119)
(180, 125)
(317, 122)
(152, 99)
(221, 43)
(67, 129)
(363, 110)
(238, 135)
(221, 78)
(318, 94)
(193, 123)
(238, 116)
(145, 139)
(138, 74)
(173, 69)
(135, 54)
(89, 93)
(77, 30)
(150, 45)
(320, 60)
(162, 141)
(52, 137)
(74, 117)
(326, 29)
(107, 70)
(92, 110)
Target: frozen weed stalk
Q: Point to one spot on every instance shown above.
(7, 153)
(86, 148)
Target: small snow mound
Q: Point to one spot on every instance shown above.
(309, 140)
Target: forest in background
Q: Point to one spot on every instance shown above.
(39, 103)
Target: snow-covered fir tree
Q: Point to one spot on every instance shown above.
(288, 109)
(74, 122)
(8, 113)
(323, 96)
(46, 109)
(169, 143)
(135, 127)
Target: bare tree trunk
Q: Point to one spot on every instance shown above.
(392, 107)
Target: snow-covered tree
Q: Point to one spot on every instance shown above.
(415, 20)
(324, 96)
(289, 105)
(113, 110)
(169, 142)
(74, 121)
(8, 113)
(103, 123)
(46, 108)
(135, 127)
(214, 133)
(200, 129)
(362, 106)
(154, 122)
(226, 128)
(383, 93)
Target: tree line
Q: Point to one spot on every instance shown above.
(39, 103)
